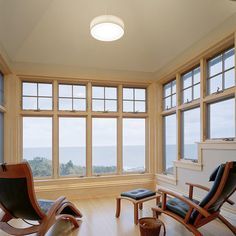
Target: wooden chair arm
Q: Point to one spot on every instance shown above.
(56, 205)
(192, 205)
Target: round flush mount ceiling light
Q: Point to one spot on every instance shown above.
(107, 28)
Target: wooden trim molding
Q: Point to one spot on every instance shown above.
(169, 179)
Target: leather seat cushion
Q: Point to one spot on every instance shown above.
(138, 194)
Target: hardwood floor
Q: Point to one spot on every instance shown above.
(99, 220)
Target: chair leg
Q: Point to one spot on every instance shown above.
(118, 206)
(228, 224)
(136, 213)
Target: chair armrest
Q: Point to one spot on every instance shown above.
(192, 205)
(56, 205)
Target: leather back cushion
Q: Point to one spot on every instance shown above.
(14, 197)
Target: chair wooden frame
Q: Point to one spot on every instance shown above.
(204, 216)
(46, 220)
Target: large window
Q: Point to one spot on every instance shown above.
(221, 118)
(169, 95)
(1, 137)
(36, 96)
(1, 90)
(134, 100)
(170, 147)
(191, 85)
(104, 142)
(37, 144)
(72, 146)
(134, 144)
(104, 99)
(190, 133)
(72, 97)
(221, 71)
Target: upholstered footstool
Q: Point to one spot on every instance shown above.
(137, 197)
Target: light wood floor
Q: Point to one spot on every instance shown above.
(99, 220)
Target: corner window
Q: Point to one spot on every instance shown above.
(221, 72)
(169, 95)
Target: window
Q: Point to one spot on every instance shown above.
(221, 118)
(190, 133)
(36, 96)
(170, 147)
(37, 144)
(191, 85)
(221, 73)
(104, 99)
(72, 97)
(104, 140)
(1, 137)
(134, 144)
(134, 100)
(169, 95)
(72, 146)
(1, 90)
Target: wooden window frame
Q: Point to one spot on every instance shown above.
(169, 96)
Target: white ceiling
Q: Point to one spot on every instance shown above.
(56, 32)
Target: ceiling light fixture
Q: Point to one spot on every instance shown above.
(107, 28)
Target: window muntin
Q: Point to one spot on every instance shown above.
(134, 144)
(221, 119)
(1, 90)
(170, 145)
(221, 71)
(104, 99)
(104, 143)
(134, 100)
(190, 133)
(72, 146)
(37, 144)
(191, 85)
(169, 95)
(72, 97)
(36, 96)
(1, 137)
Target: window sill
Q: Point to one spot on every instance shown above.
(170, 179)
(187, 164)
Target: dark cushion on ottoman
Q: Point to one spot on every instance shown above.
(138, 194)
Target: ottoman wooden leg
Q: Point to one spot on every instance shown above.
(157, 200)
(141, 206)
(118, 205)
(136, 213)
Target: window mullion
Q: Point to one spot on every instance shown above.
(89, 132)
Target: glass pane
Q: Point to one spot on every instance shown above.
(45, 103)
(65, 90)
(65, 104)
(215, 84)
(174, 100)
(187, 79)
(174, 86)
(215, 66)
(98, 105)
(29, 103)
(134, 145)
(110, 93)
(167, 89)
(140, 106)
(167, 103)
(104, 139)
(79, 104)
(45, 90)
(191, 133)
(1, 137)
(37, 144)
(79, 91)
(128, 106)
(196, 75)
(196, 91)
(222, 119)
(140, 94)
(187, 95)
(170, 148)
(72, 146)
(229, 59)
(29, 89)
(229, 78)
(128, 93)
(1, 89)
(98, 92)
(110, 105)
